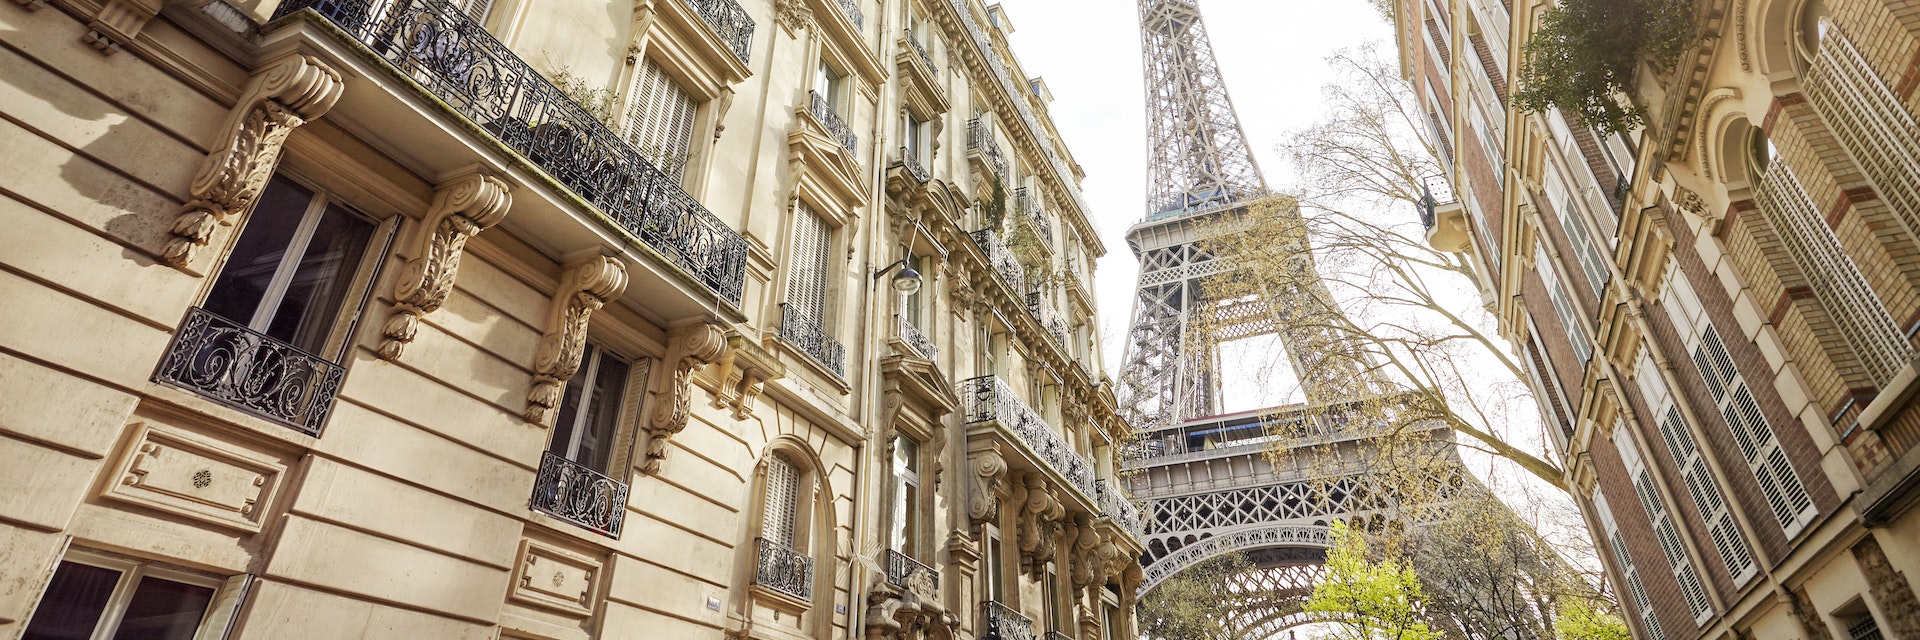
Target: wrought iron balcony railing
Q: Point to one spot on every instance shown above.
(812, 339)
(1001, 622)
(1055, 635)
(1434, 191)
(852, 7)
(461, 64)
(980, 138)
(783, 569)
(823, 111)
(229, 363)
(1116, 505)
(1047, 317)
(731, 22)
(901, 569)
(915, 339)
(1028, 206)
(988, 399)
(911, 161)
(572, 492)
(922, 50)
(1003, 261)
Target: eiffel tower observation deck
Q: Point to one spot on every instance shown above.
(1209, 482)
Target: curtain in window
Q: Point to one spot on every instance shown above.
(660, 118)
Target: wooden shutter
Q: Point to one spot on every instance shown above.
(477, 10)
(660, 119)
(807, 269)
(1786, 497)
(779, 511)
(1635, 586)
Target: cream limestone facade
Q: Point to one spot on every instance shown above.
(561, 319)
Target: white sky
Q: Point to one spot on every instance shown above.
(1273, 55)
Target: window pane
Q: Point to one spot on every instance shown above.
(257, 254)
(164, 610)
(321, 280)
(73, 602)
(603, 413)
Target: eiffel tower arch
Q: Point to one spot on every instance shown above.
(1208, 484)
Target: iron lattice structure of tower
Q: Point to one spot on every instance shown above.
(1208, 485)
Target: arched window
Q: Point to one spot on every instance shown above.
(778, 512)
(783, 550)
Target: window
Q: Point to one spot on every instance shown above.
(1051, 604)
(905, 527)
(826, 82)
(1562, 303)
(807, 276)
(99, 597)
(915, 304)
(915, 134)
(475, 9)
(779, 511)
(660, 117)
(1664, 530)
(1786, 497)
(992, 565)
(1727, 539)
(1566, 209)
(590, 410)
(292, 270)
(1636, 587)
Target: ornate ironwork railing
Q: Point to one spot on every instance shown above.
(980, 138)
(1434, 191)
(812, 339)
(911, 161)
(901, 568)
(988, 399)
(823, 111)
(459, 62)
(915, 339)
(1055, 635)
(229, 363)
(852, 7)
(783, 569)
(1115, 504)
(1002, 260)
(731, 22)
(1047, 317)
(922, 50)
(572, 492)
(1028, 206)
(1001, 622)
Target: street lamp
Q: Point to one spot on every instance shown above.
(906, 281)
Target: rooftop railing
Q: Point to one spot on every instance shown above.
(988, 399)
(812, 339)
(460, 63)
(575, 493)
(783, 569)
(229, 363)
(824, 112)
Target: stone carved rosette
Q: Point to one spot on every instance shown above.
(583, 290)
(462, 207)
(281, 96)
(689, 349)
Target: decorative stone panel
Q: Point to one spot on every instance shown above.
(195, 477)
(556, 579)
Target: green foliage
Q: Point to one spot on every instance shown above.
(1367, 599)
(1187, 606)
(1583, 57)
(1580, 620)
(596, 100)
(995, 210)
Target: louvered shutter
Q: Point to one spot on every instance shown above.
(807, 275)
(1786, 497)
(781, 503)
(477, 10)
(1727, 540)
(1664, 530)
(660, 119)
(1635, 586)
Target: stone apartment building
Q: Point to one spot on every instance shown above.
(558, 319)
(1718, 310)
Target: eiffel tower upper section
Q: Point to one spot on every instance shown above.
(1199, 155)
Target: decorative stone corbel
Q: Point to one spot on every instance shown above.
(744, 369)
(583, 290)
(793, 16)
(118, 22)
(461, 207)
(983, 504)
(721, 104)
(688, 348)
(281, 96)
(1040, 516)
(1083, 545)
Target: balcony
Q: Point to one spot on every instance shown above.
(852, 9)
(731, 23)
(987, 400)
(914, 338)
(1001, 622)
(1002, 260)
(1055, 635)
(783, 570)
(830, 120)
(1441, 213)
(806, 334)
(922, 51)
(229, 363)
(572, 492)
(465, 68)
(1115, 504)
(1028, 206)
(1048, 318)
(984, 149)
(901, 570)
(910, 161)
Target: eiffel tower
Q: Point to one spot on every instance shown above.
(1208, 485)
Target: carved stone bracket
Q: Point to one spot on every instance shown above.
(281, 96)
(989, 469)
(744, 370)
(461, 207)
(1039, 519)
(583, 290)
(688, 348)
(793, 16)
(118, 22)
(909, 611)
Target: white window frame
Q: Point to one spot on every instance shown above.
(1665, 532)
(1562, 303)
(1635, 587)
(1702, 486)
(592, 357)
(220, 607)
